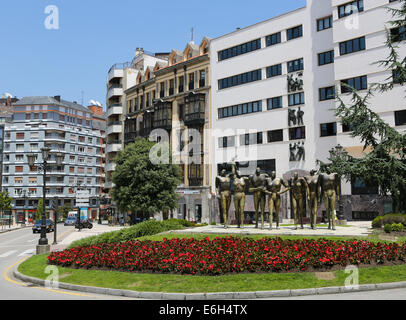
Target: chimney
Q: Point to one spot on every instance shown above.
(142, 50)
(137, 52)
(57, 98)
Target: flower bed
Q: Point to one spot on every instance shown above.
(229, 255)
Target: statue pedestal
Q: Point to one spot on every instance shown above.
(43, 249)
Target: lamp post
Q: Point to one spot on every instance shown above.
(43, 246)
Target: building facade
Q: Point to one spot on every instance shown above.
(121, 77)
(174, 97)
(273, 93)
(65, 127)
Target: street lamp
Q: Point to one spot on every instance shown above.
(43, 246)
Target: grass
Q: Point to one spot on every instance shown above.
(35, 267)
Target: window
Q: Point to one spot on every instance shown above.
(350, 7)
(398, 34)
(359, 187)
(326, 57)
(19, 158)
(89, 170)
(273, 39)
(81, 149)
(274, 71)
(240, 49)
(240, 79)
(18, 180)
(327, 93)
(34, 135)
(324, 23)
(20, 135)
(226, 142)
(34, 146)
(275, 136)
(250, 139)
(20, 147)
(32, 180)
(351, 46)
(71, 169)
(274, 103)
(296, 99)
(328, 129)
(237, 110)
(297, 133)
(358, 83)
(397, 76)
(400, 118)
(81, 170)
(295, 65)
(295, 32)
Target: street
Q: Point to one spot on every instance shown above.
(15, 246)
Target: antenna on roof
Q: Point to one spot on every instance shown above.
(82, 96)
(192, 34)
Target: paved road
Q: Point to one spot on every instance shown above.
(18, 245)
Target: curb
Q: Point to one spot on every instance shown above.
(10, 230)
(217, 295)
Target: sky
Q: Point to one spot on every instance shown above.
(68, 49)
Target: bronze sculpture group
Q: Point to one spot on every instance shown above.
(317, 187)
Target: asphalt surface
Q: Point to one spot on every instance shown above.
(17, 245)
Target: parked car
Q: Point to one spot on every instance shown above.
(49, 225)
(84, 224)
(70, 221)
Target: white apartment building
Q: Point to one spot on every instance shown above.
(121, 77)
(318, 47)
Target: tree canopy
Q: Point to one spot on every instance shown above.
(384, 163)
(142, 186)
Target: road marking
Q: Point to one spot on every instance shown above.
(9, 253)
(27, 252)
(7, 278)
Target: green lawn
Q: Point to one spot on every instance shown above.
(35, 267)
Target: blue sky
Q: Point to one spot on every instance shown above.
(95, 34)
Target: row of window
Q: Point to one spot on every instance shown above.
(298, 133)
(292, 33)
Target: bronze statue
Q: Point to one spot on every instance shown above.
(223, 191)
(298, 187)
(330, 190)
(273, 189)
(239, 195)
(313, 196)
(258, 186)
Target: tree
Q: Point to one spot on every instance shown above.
(64, 211)
(140, 185)
(384, 163)
(40, 210)
(5, 202)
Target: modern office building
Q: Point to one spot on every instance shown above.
(175, 97)
(276, 82)
(65, 127)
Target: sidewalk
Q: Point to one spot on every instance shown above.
(84, 233)
(354, 229)
(4, 229)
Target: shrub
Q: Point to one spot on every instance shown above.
(394, 218)
(377, 223)
(146, 228)
(388, 228)
(213, 223)
(397, 227)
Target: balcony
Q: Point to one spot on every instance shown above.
(111, 166)
(114, 109)
(114, 127)
(115, 146)
(117, 71)
(115, 90)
